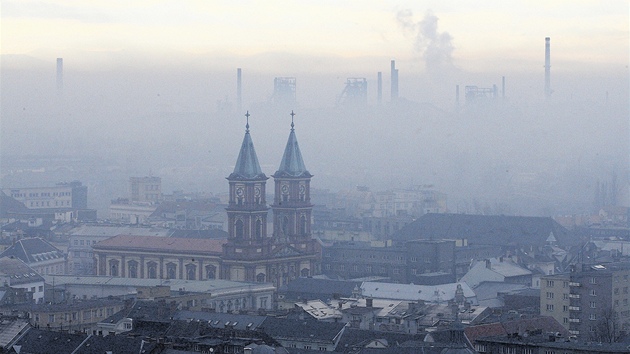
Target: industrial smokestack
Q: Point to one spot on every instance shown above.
(394, 73)
(547, 67)
(457, 96)
(239, 93)
(59, 76)
(379, 90)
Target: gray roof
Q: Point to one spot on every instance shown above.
(31, 250)
(17, 271)
(497, 230)
(247, 166)
(214, 286)
(309, 330)
(219, 320)
(292, 164)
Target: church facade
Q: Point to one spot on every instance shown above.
(250, 253)
(290, 251)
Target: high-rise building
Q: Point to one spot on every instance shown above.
(595, 300)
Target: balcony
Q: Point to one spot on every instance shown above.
(574, 296)
(572, 283)
(574, 320)
(574, 308)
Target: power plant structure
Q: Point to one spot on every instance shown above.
(547, 67)
(379, 89)
(284, 91)
(239, 91)
(354, 93)
(394, 74)
(59, 76)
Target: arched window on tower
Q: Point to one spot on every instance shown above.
(239, 229)
(285, 226)
(259, 229)
(260, 278)
(303, 225)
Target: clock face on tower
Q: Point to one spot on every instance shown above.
(302, 189)
(284, 189)
(257, 192)
(239, 192)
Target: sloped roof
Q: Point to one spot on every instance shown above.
(32, 250)
(218, 319)
(115, 344)
(17, 271)
(43, 341)
(247, 166)
(10, 205)
(411, 292)
(546, 323)
(497, 230)
(162, 244)
(310, 330)
(292, 164)
(322, 289)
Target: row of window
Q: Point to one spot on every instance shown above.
(59, 203)
(74, 316)
(84, 242)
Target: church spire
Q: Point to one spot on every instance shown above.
(247, 166)
(292, 164)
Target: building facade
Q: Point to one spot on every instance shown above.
(63, 195)
(250, 254)
(595, 300)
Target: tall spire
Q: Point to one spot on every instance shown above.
(247, 166)
(292, 164)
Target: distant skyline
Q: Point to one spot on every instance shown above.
(474, 36)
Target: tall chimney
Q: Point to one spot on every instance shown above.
(394, 73)
(59, 76)
(239, 93)
(457, 96)
(547, 67)
(379, 90)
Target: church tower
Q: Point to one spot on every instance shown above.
(292, 208)
(247, 214)
(291, 252)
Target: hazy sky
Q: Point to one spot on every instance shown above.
(150, 85)
(480, 32)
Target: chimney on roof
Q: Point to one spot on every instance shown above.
(369, 302)
(488, 264)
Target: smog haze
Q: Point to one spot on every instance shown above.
(149, 88)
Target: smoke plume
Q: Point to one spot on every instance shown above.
(435, 47)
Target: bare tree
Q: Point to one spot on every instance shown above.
(607, 328)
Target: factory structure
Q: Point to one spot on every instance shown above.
(355, 90)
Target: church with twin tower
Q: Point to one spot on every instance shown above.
(253, 254)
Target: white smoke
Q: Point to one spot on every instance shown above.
(435, 47)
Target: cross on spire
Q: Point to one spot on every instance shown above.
(292, 115)
(247, 125)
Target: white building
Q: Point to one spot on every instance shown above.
(17, 274)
